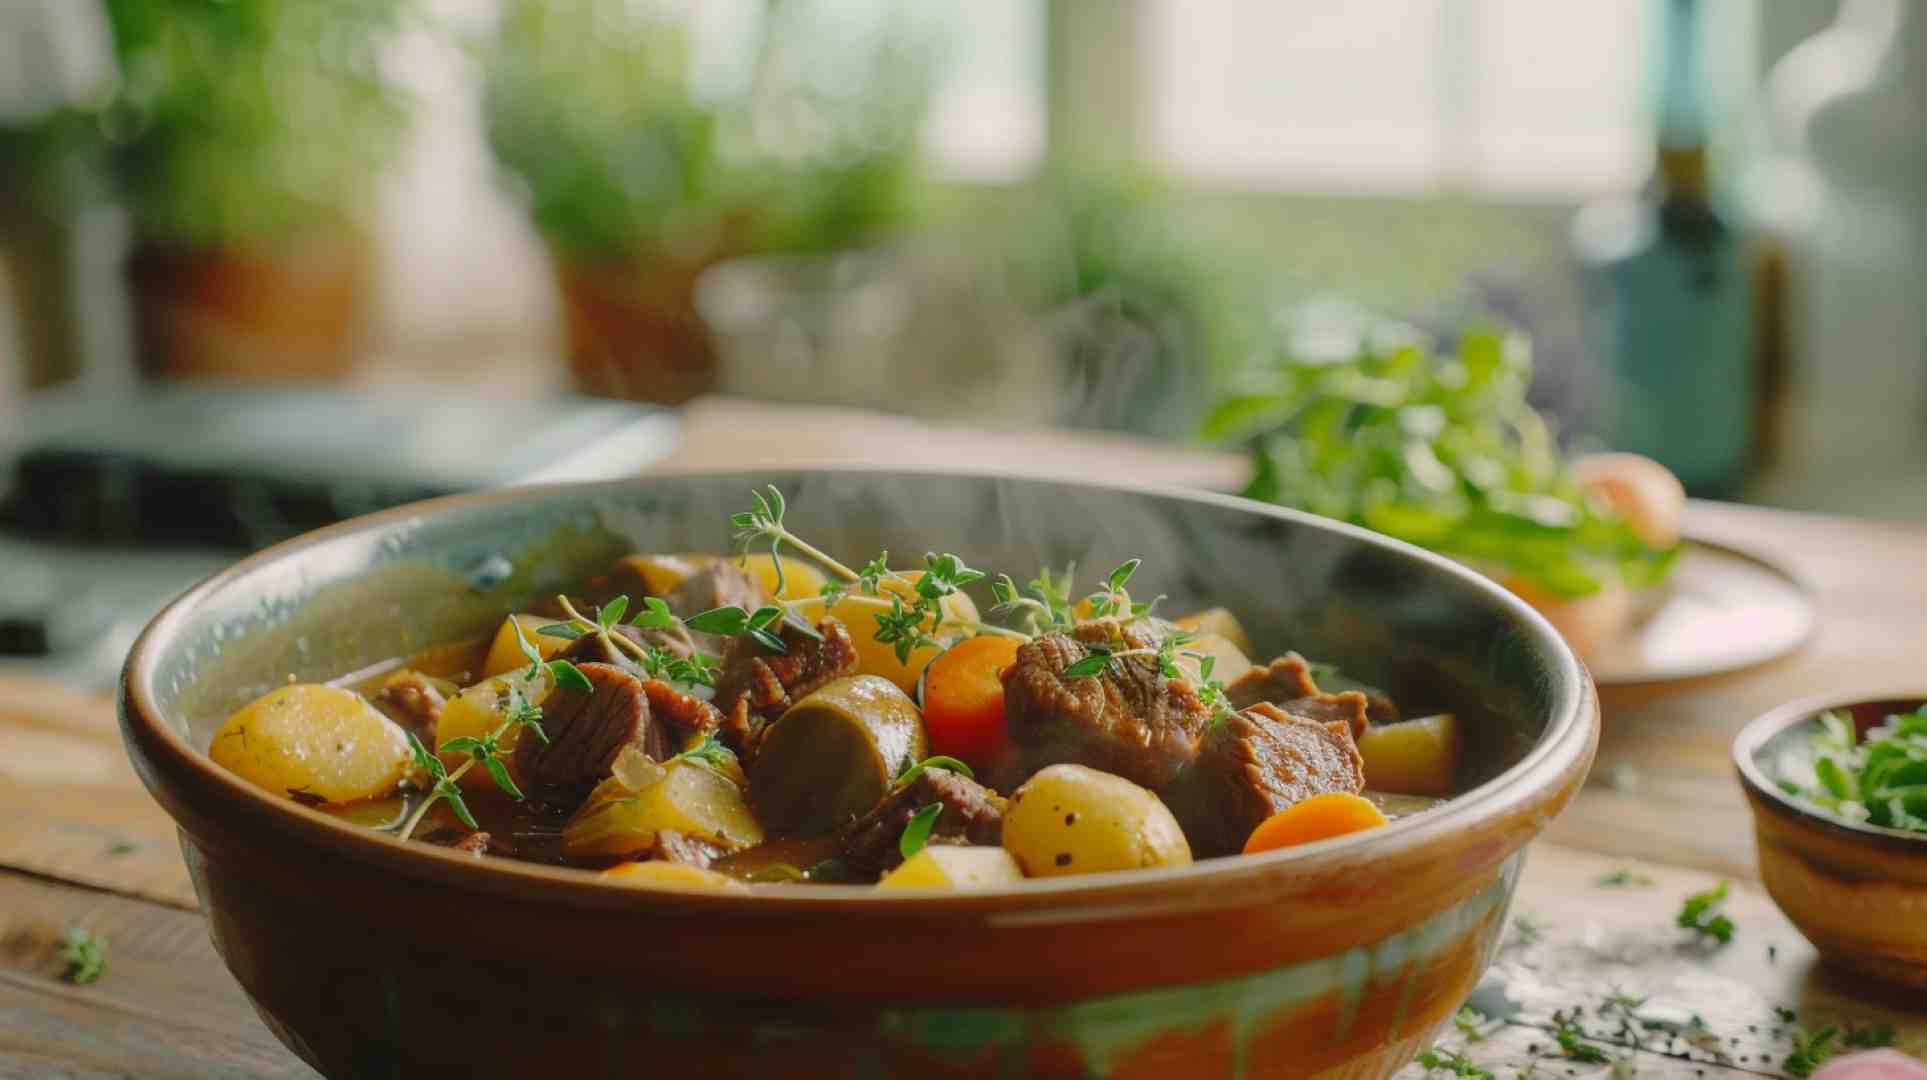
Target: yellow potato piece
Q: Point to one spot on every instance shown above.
(1229, 660)
(673, 875)
(480, 709)
(801, 579)
(1069, 819)
(951, 866)
(505, 653)
(1217, 621)
(320, 742)
(689, 798)
(873, 657)
(657, 574)
(1413, 757)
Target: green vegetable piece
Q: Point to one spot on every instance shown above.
(85, 954)
(917, 832)
(834, 755)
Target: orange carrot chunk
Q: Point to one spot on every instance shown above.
(963, 698)
(1320, 817)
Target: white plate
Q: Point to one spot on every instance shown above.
(1722, 610)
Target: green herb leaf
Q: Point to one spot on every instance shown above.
(85, 954)
(723, 621)
(1698, 914)
(1123, 574)
(1094, 664)
(424, 760)
(1453, 1062)
(1471, 1023)
(529, 650)
(612, 612)
(1572, 1040)
(560, 630)
(568, 676)
(768, 640)
(450, 790)
(497, 769)
(1811, 1052)
(939, 761)
(465, 744)
(917, 832)
(655, 614)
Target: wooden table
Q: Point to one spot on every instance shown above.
(82, 845)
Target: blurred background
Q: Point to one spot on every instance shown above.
(264, 263)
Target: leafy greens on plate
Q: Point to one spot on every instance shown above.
(1440, 450)
(1880, 779)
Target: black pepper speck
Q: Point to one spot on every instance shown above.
(1063, 858)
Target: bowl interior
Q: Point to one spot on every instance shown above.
(1433, 635)
(1762, 743)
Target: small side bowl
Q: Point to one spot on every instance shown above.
(1858, 892)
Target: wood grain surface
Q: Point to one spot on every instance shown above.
(83, 845)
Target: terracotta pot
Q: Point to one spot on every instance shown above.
(632, 327)
(369, 956)
(1857, 891)
(293, 311)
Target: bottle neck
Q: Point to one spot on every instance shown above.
(1681, 172)
(1681, 121)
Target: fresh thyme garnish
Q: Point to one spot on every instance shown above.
(1572, 1039)
(85, 954)
(1811, 1052)
(917, 832)
(710, 753)
(1698, 915)
(1471, 1023)
(938, 761)
(1170, 648)
(1624, 877)
(1453, 1062)
(518, 712)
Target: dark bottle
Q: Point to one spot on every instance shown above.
(1664, 281)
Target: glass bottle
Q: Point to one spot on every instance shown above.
(1665, 285)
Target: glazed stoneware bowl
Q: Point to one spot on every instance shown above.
(369, 957)
(1857, 891)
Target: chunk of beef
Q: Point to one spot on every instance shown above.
(1253, 765)
(720, 584)
(972, 814)
(683, 714)
(1129, 720)
(1284, 679)
(757, 686)
(1287, 682)
(672, 846)
(414, 701)
(588, 728)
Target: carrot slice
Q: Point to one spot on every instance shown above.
(1320, 817)
(963, 698)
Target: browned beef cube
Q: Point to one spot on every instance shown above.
(972, 814)
(1129, 719)
(757, 685)
(672, 846)
(414, 701)
(587, 729)
(1254, 764)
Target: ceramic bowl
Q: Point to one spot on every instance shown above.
(372, 957)
(1857, 891)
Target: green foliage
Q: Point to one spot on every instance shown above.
(1699, 914)
(1881, 779)
(589, 105)
(242, 121)
(85, 954)
(1438, 450)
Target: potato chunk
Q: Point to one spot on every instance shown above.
(317, 743)
(481, 709)
(1216, 621)
(674, 875)
(505, 653)
(1069, 819)
(625, 812)
(1413, 757)
(954, 866)
(873, 657)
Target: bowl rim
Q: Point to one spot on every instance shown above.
(1566, 742)
(1751, 742)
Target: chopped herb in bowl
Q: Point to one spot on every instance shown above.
(1879, 778)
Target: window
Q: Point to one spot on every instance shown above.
(1399, 96)
(987, 113)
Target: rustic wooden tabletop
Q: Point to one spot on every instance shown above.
(83, 846)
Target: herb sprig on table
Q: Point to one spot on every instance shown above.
(85, 954)
(1699, 913)
(1439, 450)
(1880, 779)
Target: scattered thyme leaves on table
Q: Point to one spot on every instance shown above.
(1699, 914)
(85, 954)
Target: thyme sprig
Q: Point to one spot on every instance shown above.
(1698, 913)
(518, 712)
(917, 832)
(85, 954)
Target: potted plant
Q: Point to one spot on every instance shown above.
(247, 137)
(638, 180)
